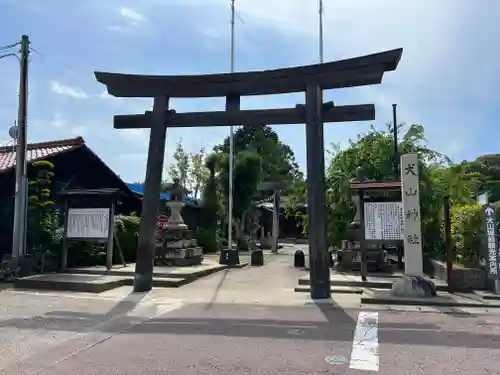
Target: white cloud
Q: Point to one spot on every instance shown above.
(130, 19)
(104, 95)
(61, 89)
(58, 121)
(132, 15)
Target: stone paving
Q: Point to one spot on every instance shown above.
(239, 321)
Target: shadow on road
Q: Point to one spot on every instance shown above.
(217, 290)
(268, 322)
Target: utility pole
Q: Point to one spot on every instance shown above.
(321, 31)
(395, 139)
(447, 243)
(21, 187)
(231, 147)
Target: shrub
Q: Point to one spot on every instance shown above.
(127, 235)
(207, 240)
(467, 230)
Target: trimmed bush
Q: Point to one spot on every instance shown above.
(467, 230)
(207, 240)
(127, 235)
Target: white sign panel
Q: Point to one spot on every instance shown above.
(384, 221)
(88, 223)
(491, 237)
(413, 223)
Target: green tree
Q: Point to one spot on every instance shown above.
(374, 152)
(179, 168)
(277, 159)
(247, 177)
(488, 168)
(43, 218)
(208, 236)
(198, 171)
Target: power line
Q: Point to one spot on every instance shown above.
(3, 48)
(9, 55)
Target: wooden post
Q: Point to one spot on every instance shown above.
(316, 195)
(448, 244)
(275, 227)
(143, 280)
(111, 235)
(64, 255)
(362, 239)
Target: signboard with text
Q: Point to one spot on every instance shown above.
(91, 223)
(384, 221)
(492, 257)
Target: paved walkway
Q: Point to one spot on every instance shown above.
(246, 321)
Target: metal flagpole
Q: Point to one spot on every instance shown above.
(321, 31)
(231, 147)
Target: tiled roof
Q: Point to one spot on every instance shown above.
(37, 151)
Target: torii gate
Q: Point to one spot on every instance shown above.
(311, 79)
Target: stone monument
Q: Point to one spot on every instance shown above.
(413, 283)
(174, 243)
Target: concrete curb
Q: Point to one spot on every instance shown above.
(365, 284)
(306, 289)
(241, 265)
(423, 302)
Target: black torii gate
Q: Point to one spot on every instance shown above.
(311, 79)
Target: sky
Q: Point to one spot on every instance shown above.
(447, 80)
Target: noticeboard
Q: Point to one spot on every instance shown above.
(91, 223)
(384, 221)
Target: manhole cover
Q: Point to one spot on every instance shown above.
(336, 359)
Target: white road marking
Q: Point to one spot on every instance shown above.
(365, 354)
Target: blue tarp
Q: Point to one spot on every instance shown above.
(138, 189)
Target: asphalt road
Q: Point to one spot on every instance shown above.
(170, 338)
(246, 321)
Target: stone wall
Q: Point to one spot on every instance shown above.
(464, 278)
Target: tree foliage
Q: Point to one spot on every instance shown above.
(374, 152)
(43, 218)
(188, 168)
(179, 169)
(277, 159)
(208, 236)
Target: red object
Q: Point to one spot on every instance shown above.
(161, 221)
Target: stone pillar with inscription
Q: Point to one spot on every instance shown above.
(413, 284)
(412, 221)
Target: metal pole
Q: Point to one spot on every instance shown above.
(395, 139)
(231, 147)
(321, 31)
(19, 223)
(447, 243)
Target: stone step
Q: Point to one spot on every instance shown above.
(335, 290)
(70, 282)
(161, 272)
(89, 283)
(442, 299)
(370, 283)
